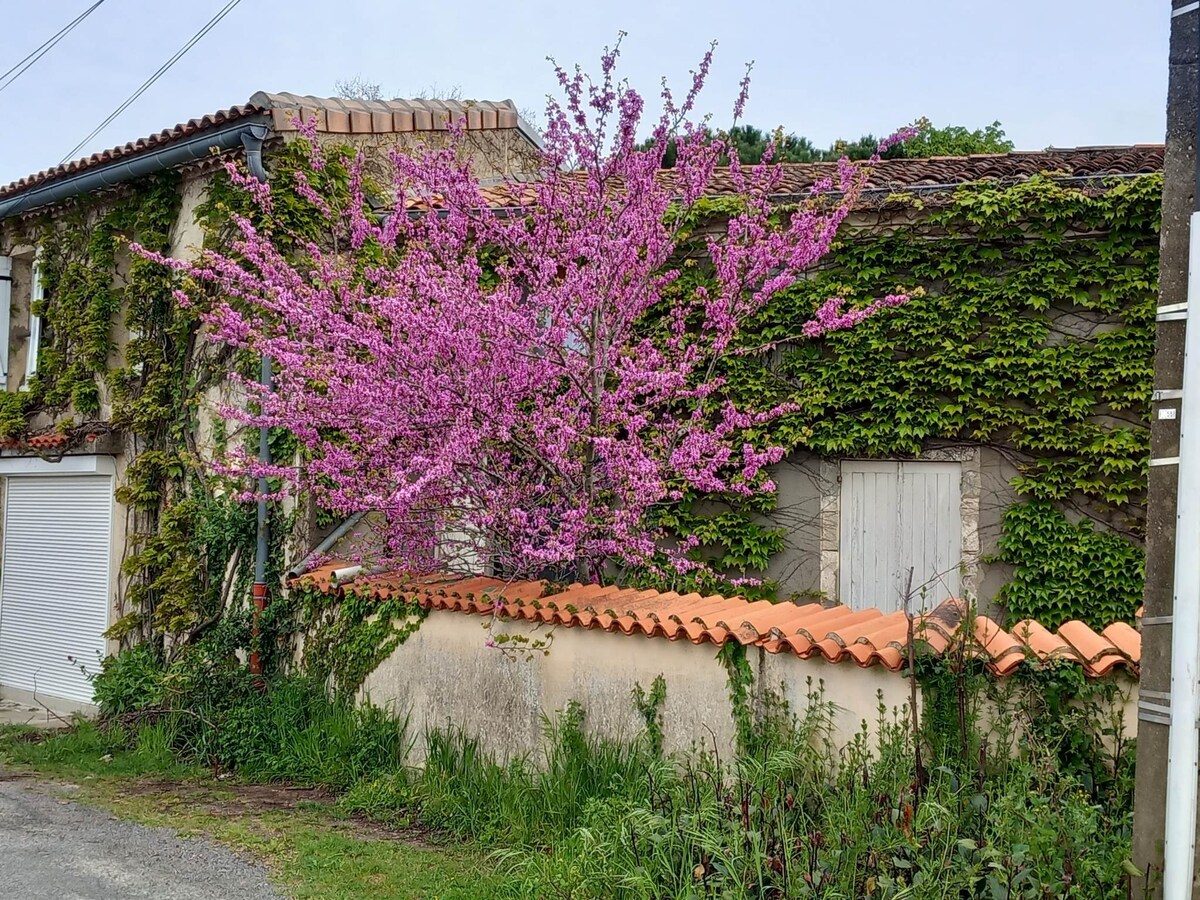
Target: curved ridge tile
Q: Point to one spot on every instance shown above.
(1091, 647)
(1044, 645)
(1002, 651)
(1125, 638)
(834, 634)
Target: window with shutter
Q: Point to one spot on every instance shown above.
(5, 316)
(37, 294)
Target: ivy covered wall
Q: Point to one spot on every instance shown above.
(1030, 334)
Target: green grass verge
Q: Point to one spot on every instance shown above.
(312, 850)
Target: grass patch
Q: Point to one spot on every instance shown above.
(313, 854)
(88, 750)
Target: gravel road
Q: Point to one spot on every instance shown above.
(51, 847)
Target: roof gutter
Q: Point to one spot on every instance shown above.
(248, 133)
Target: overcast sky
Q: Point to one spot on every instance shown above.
(1054, 72)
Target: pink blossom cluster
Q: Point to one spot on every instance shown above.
(522, 388)
(832, 315)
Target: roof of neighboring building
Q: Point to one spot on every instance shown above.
(333, 115)
(930, 175)
(47, 440)
(833, 633)
(1017, 165)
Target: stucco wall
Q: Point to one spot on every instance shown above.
(803, 495)
(187, 237)
(996, 494)
(857, 694)
(444, 675)
(18, 331)
(1002, 716)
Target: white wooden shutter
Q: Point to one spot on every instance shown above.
(54, 583)
(896, 515)
(36, 294)
(5, 316)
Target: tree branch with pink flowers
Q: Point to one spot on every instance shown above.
(503, 375)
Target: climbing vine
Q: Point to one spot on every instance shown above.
(348, 635)
(181, 534)
(1031, 331)
(1051, 706)
(649, 705)
(1056, 562)
(79, 252)
(292, 216)
(195, 549)
(740, 680)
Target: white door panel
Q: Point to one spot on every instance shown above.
(896, 515)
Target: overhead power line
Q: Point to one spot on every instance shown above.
(145, 86)
(21, 66)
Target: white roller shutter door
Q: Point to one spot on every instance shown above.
(896, 515)
(54, 582)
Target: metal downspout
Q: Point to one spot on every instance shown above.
(253, 147)
(332, 538)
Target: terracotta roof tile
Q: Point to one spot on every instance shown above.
(332, 114)
(935, 176)
(866, 637)
(386, 116)
(1125, 638)
(182, 130)
(902, 174)
(1040, 642)
(49, 440)
(1086, 643)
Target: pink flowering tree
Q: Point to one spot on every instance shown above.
(505, 375)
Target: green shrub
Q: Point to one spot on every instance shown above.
(207, 709)
(293, 730)
(800, 821)
(131, 680)
(467, 791)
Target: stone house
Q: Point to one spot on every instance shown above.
(106, 411)
(1016, 379)
(86, 341)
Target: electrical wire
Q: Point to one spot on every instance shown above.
(145, 86)
(21, 66)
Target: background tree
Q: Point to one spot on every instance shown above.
(358, 88)
(952, 140)
(523, 387)
(955, 140)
